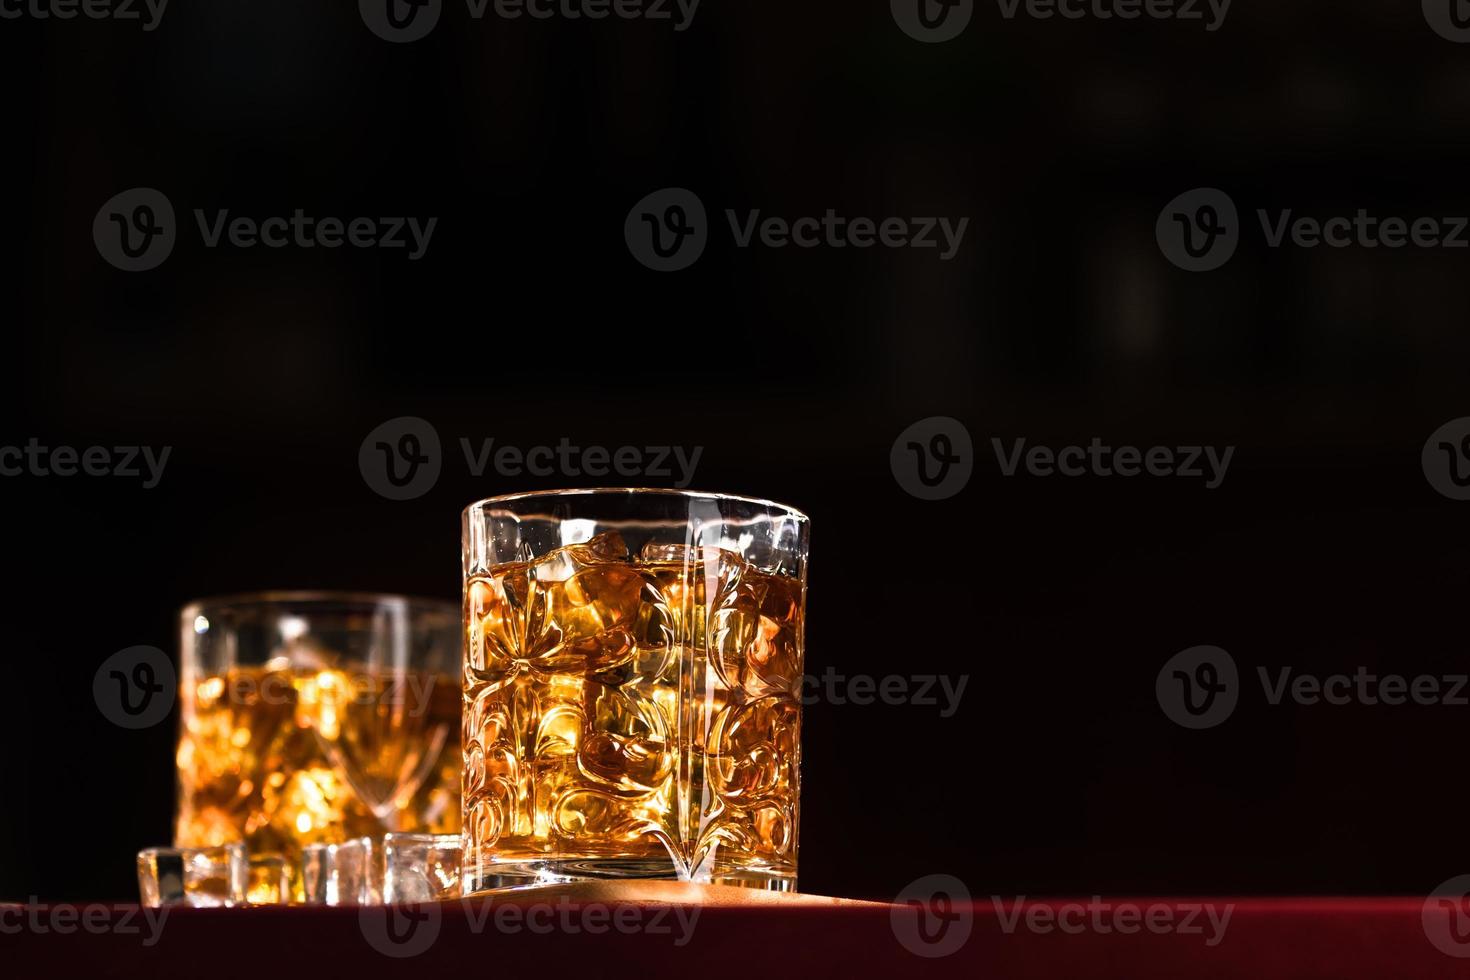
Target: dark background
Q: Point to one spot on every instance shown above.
(529, 321)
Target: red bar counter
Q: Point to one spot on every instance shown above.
(643, 931)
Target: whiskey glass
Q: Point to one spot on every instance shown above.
(316, 718)
(632, 710)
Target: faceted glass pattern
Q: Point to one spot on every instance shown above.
(632, 699)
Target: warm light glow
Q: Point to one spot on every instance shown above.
(293, 628)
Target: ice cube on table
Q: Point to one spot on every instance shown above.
(349, 873)
(421, 867)
(202, 877)
(269, 880)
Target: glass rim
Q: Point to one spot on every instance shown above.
(505, 498)
(266, 597)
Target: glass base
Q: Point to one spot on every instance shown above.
(510, 875)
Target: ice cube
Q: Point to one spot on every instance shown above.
(202, 877)
(269, 880)
(684, 553)
(342, 874)
(608, 546)
(576, 609)
(421, 867)
(568, 560)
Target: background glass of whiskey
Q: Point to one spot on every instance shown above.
(632, 682)
(313, 718)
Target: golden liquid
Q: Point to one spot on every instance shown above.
(632, 717)
(280, 757)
